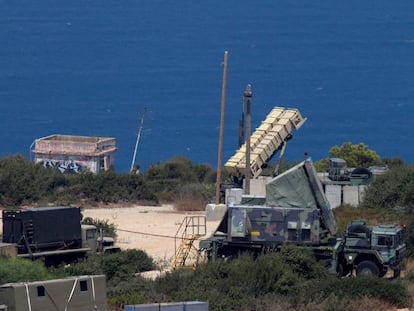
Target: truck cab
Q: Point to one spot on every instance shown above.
(388, 241)
(96, 242)
(89, 239)
(370, 250)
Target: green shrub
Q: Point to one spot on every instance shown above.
(394, 292)
(191, 197)
(117, 266)
(22, 270)
(303, 262)
(108, 229)
(134, 291)
(392, 191)
(23, 182)
(232, 285)
(86, 266)
(124, 265)
(409, 276)
(118, 301)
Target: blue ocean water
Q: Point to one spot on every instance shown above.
(88, 67)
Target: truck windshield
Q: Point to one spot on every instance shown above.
(385, 240)
(90, 234)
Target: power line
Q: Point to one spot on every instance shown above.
(145, 233)
(150, 234)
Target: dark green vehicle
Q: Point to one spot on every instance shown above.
(369, 250)
(295, 210)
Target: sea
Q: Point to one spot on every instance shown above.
(95, 68)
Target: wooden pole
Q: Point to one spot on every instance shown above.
(220, 146)
(248, 95)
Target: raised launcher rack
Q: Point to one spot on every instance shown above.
(268, 138)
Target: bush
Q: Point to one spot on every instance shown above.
(109, 187)
(394, 293)
(178, 176)
(302, 262)
(392, 191)
(117, 266)
(22, 182)
(240, 283)
(366, 303)
(25, 183)
(108, 229)
(191, 197)
(22, 270)
(121, 299)
(409, 276)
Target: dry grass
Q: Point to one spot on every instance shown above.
(373, 216)
(192, 204)
(366, 303)
(409, 265)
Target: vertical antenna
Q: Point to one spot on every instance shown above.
(137, 141)
(241, 125)
(220, 146)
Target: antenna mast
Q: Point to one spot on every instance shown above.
(137, 142)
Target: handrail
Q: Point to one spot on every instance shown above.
(191, 228)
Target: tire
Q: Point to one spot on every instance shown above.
(367, 268)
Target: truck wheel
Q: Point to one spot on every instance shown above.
(367, 268)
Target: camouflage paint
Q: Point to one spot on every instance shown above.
(273, 224)
(300, 188)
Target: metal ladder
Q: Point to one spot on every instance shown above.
(190, 230)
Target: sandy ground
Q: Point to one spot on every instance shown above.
(149, 228)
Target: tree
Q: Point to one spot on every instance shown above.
(393, 191)
(358, 155)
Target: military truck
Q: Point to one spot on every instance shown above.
(53, 233)
(295, 210)
(371, 250)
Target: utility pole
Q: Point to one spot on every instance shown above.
(220, 146)
(248, 95)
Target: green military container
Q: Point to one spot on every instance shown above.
(76, 293)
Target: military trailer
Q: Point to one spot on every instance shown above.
(338, 170)
(53, 233)
(78, 293)
(295, 210)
